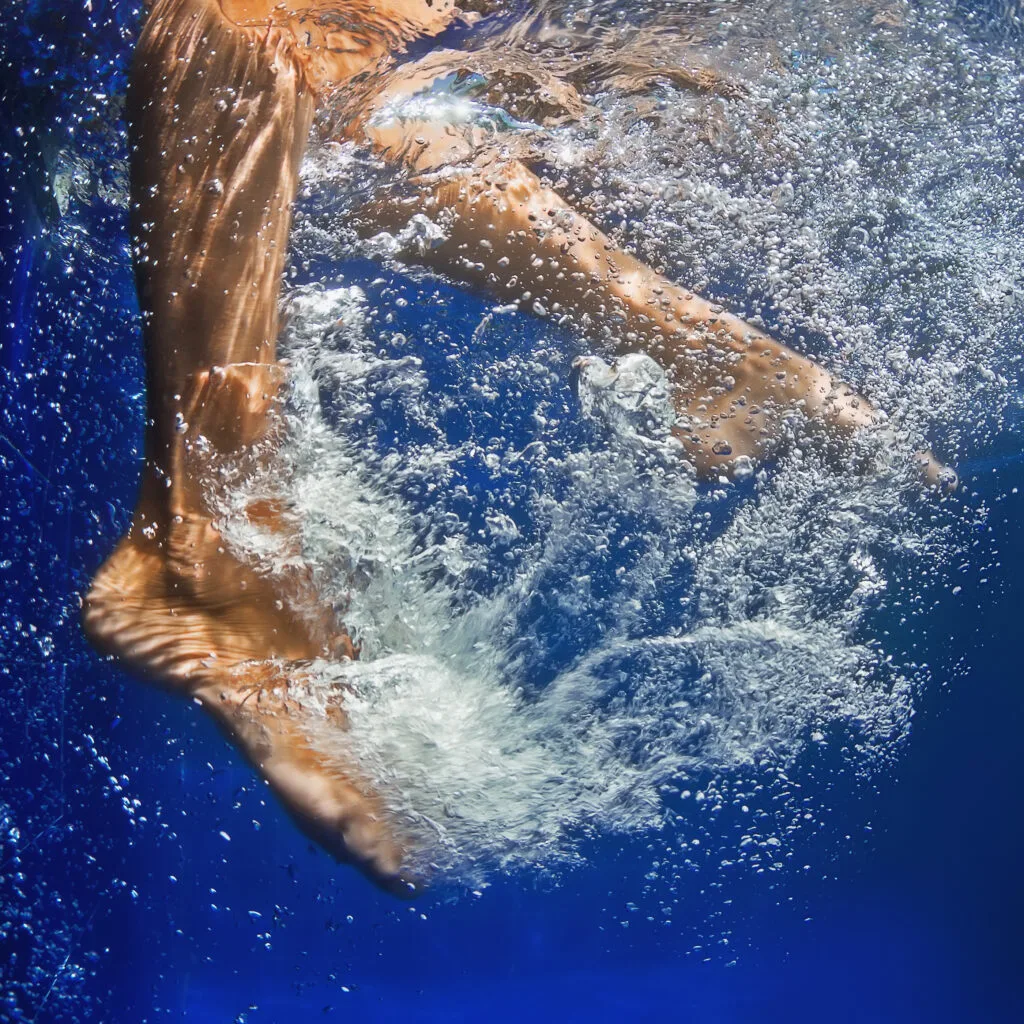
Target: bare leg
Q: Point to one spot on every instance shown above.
(506, 232)
(219, 109)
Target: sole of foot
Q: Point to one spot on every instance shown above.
(175, 607)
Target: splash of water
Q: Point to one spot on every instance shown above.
(558, 626)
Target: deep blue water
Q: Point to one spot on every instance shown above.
(910, 909)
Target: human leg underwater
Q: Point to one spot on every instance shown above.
(736, 390)
(219, 114)
(220, 108)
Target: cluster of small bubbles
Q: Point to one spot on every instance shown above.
(868, 197)
(715, 648)
(561, 633)
(66, 322)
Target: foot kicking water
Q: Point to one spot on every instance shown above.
(177, 608)
(219, 111)
(221, 100)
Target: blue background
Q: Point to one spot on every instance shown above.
(910, 909)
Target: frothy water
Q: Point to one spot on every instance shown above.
(560, 630)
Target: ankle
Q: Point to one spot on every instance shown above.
(214, 415)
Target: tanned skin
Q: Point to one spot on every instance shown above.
(221, 99)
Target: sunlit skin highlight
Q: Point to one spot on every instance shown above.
(221, 100)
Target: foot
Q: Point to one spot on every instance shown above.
(173, 605)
